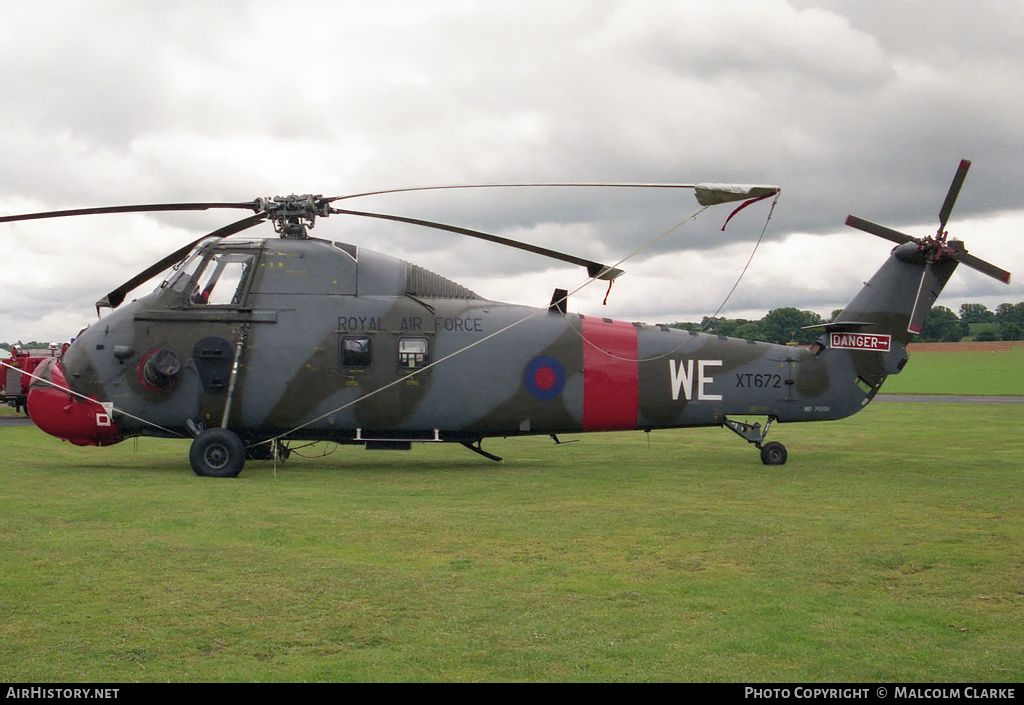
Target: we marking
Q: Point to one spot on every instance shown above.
(683, 378)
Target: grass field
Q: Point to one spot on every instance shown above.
(999, 372)
(887, 549)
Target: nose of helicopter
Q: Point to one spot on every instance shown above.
(55, 409)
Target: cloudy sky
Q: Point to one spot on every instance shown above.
(852, 106)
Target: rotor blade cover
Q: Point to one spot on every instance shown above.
(713, 194)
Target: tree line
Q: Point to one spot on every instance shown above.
(942, 324)
(30, 345)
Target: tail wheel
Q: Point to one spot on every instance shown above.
(217, 452)
(773, 453)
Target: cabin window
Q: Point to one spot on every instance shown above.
(413, 353)
(356, 351)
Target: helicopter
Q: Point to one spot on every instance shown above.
(252, 343)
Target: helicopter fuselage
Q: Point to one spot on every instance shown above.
(309, 339)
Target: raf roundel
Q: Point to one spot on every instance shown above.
(544, 378)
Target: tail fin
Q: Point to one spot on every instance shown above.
(896, 299)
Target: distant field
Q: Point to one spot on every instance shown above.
(950, 371)
(886, 550)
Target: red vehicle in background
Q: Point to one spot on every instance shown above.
(13, 378)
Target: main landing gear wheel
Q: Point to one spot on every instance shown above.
(217, 452)
(773, 453)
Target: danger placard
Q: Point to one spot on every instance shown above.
(877, 342)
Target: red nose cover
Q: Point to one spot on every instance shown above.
(84, 422)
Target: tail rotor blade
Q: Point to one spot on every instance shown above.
(984, 267)
(879, 230)
(954, 191)
(926, 294)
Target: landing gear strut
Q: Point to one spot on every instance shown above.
(773, 453)
(480, 451)
(268, 450)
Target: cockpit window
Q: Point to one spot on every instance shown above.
(218, 279)
(181, 277)
(222, 281)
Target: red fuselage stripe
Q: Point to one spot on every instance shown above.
(611, 376)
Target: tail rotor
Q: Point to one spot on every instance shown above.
(938, 254)
(937, 247)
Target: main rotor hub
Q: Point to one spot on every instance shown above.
(293, 215)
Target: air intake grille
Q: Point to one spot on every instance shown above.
(425, 284)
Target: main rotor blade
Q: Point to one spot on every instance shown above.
(879, 230)
(522, 185)
(116, 297)
(594, 269)
(984, 267)
(707, 194)
(954, 191)
(147, 208)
